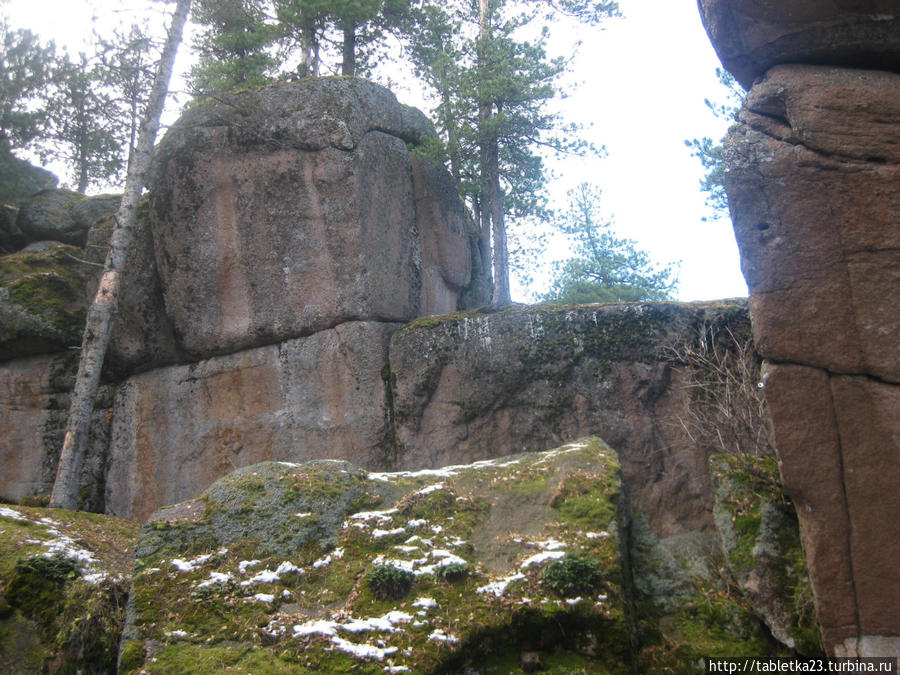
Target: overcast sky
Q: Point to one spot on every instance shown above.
(638, 85)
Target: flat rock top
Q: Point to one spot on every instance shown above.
(422, 571)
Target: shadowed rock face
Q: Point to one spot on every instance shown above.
(296, 208)
(751, 36)
(813, 169)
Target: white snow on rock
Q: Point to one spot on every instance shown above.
(365, 651)
(215, 578)
(316, 626)
(440, 636)
(538, 558)
(244, 564)
(498, 586)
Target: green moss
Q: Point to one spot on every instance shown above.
(132, 656)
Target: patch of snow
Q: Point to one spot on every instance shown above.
(322, 562)
(364, 651)
(264, 577)
(178, 633)
(380, 516)
(550, 544)
(317, 626)
(498, 587)
(437, 529)
(215, 578)
(396, 669)
(378, 534)
(264, 597)
(596, 535)
(573, 601)
(418, 522)
(244, 564)
(407, 549)
(94, 578)
(425, 603)
(286, 594)
(11, 513)
(440, 636)
(338, 554)
(538, 558)
(456, 541)
(429, 489)
(183, 565)
(305, 514)
(287, 567)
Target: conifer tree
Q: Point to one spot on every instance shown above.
(24, 71)
(605, 268)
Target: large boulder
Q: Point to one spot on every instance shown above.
(291, 209)
(319, 396)
(42, 300)
(478, 385)
(321, 567)
(751, 36)
(19, 179)
(62, 215)
(811, 170)
(812, 174)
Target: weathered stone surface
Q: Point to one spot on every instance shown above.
(293, 209)
(42, 305)
(812, 175)
(473, 386)
(11, 237)
(142, 334)
(177, 429)
(49, 215)
(503, 557)
(751, 36)
(845, 493)
(34, 402)
(19, 179)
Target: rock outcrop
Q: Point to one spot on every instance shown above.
(812, 173)
(752, 36)
(298, 207)
(525, 562)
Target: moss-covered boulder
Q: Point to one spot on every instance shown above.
(63, 589)
(42, 300)
(760, 539)
(322, 568)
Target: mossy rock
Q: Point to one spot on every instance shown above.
(63, 589)
(760, 538)
(285, 589)
(42, 303)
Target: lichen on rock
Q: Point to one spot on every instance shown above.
(268, 570)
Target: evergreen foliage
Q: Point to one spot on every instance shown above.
(711, 153)
(604, 268)
(24, 70)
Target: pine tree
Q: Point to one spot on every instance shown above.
(604, 268)
(81, 127)
(24, 71)
(493, 90)
(235, 47)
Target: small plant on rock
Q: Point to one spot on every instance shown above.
(389, 582)
(573, 575)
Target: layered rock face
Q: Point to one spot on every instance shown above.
(291, 229)
(813, 170)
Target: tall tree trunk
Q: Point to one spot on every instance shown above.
(348, 51)
(102, 310)
(493, 228)
(501, 295)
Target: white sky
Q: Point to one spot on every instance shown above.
(639, 83)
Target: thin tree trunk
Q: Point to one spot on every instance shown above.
(348, 51)
(102, 310)
(493, 228)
